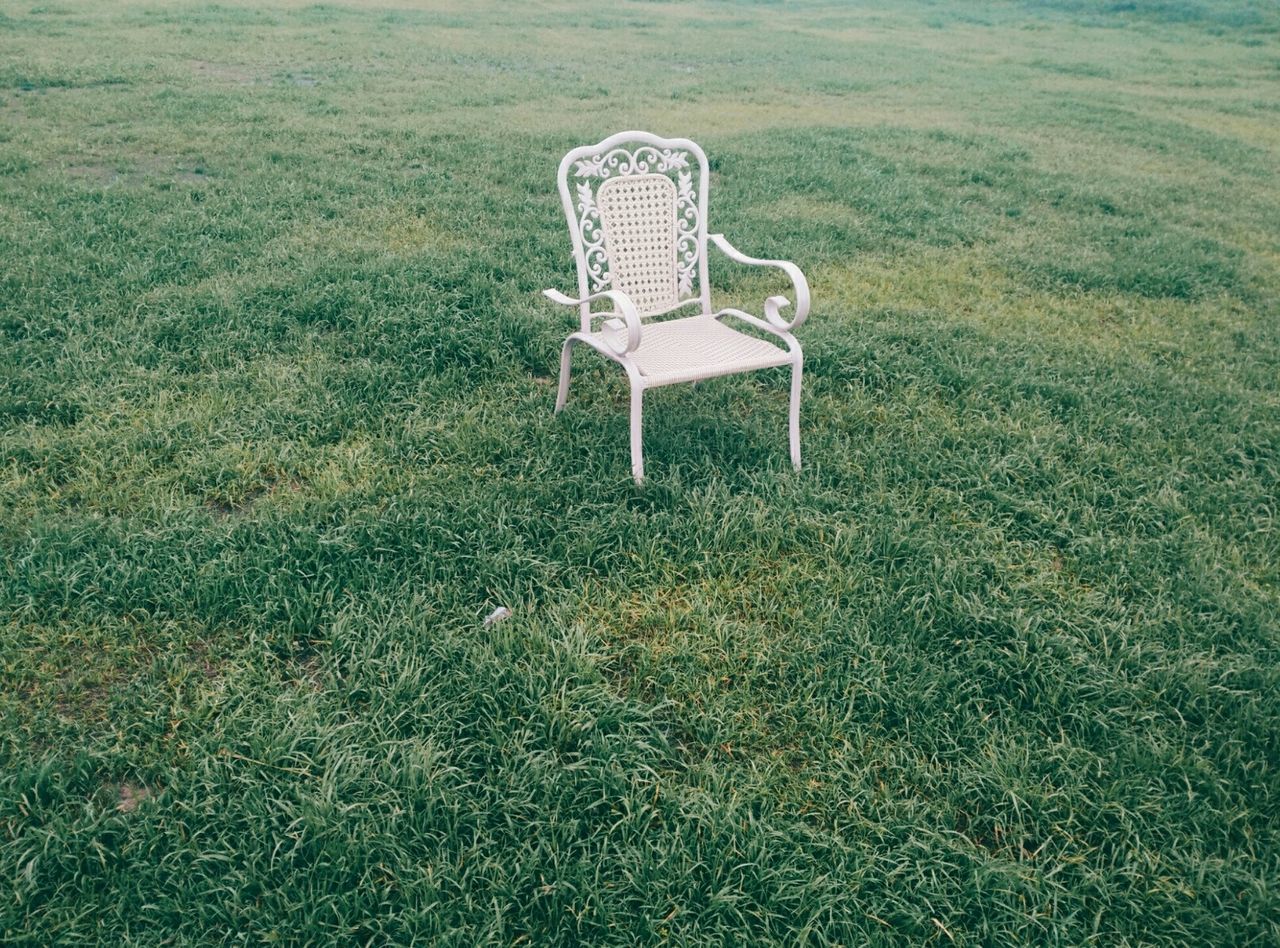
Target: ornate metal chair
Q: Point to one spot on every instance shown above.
(637, 211)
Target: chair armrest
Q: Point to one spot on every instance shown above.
(774, 303)
(625, 308)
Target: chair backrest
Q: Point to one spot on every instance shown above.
(637, 211)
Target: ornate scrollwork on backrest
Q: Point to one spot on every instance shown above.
(586, 170)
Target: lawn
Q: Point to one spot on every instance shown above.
(1001, 665)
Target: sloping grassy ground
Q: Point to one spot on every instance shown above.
(1000, 666)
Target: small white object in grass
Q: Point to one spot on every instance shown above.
(502, 612)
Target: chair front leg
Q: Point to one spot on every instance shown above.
(637, 440)
(797, 368)
(566, 356)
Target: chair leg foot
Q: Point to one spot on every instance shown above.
(637, 440)
(794, 420)
(566, 356)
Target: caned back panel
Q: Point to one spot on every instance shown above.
(638, 213)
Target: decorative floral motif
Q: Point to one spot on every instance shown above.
(670, 159)
(622, 162)
(643, 159)
(686, 233)
(592, 167)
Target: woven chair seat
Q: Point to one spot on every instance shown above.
(697, 347)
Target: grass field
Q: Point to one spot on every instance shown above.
(1000, 666)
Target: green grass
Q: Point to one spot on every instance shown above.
(999, 666)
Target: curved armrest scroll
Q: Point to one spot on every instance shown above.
(625, 308)
(774, 303)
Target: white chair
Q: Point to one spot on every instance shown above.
(638, 218)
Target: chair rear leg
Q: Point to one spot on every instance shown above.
(637, 437)
(797, 369)
(566, 357)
